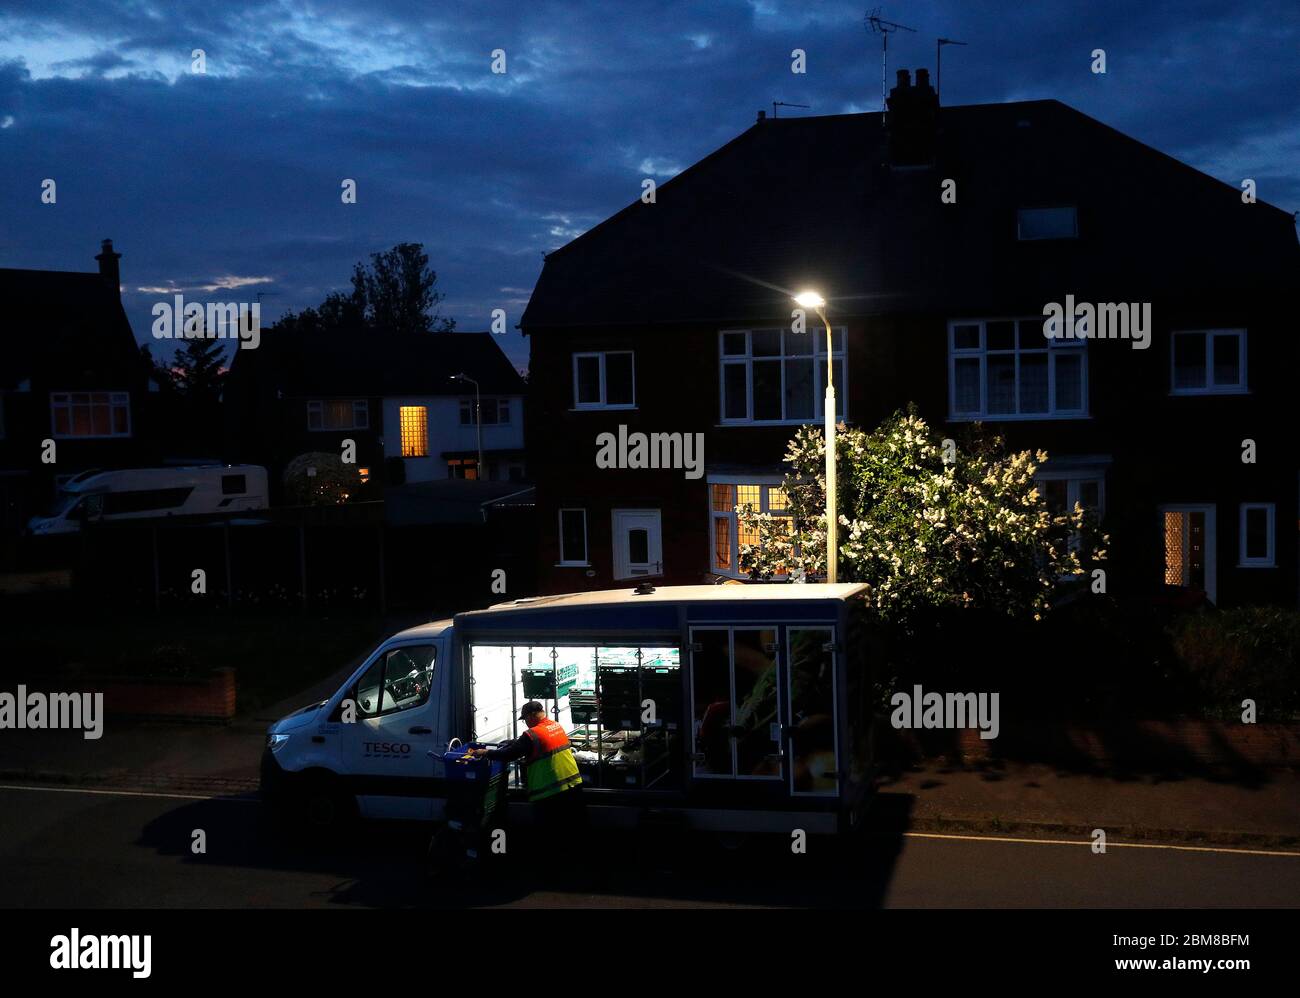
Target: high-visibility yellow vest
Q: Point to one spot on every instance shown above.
(551, 767)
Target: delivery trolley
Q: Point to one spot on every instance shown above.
(476, 792)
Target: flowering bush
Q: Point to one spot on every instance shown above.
(924, 523)
(320, 479)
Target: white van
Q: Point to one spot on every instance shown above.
(729, 708)
(137, 493)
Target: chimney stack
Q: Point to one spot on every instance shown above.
(912, 120)
(108, 268)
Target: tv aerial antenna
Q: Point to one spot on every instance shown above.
(782, 103)
(877, 25)
(938, 62)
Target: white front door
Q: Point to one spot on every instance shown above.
(638, 543)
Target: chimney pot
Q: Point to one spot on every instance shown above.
(761, 115)
(912, 120)
(108, 268)
(904, 79)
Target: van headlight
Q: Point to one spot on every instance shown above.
(274, 741)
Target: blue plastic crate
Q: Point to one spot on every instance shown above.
(461, 767)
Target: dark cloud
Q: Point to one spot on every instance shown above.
(237, 172)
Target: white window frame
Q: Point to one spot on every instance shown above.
(1051, 348)
(318, 406)
(1045, 207)
(115, 400)
(818, 353)
(765, 484)
(502, 406)
(602, 404)
(586, 538)
(1270, 560)
(1210, 388)
(1074, 479)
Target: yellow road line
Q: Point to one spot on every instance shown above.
(913, 835)
(124, 793)
(1109, 844)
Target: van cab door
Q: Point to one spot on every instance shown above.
(386, 751)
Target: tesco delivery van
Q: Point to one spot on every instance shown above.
(727, 708)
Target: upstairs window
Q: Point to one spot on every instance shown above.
(1047, 223)
(779, 376)
(1007, 369)
(604, 380)
(495, 412)
(338, 414)
(1208, 362)
(90, 414)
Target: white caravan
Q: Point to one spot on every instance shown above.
(138, 493)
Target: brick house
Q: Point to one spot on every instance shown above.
(71, 372)
(394, 396)
(675, 317)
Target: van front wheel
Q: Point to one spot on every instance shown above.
(324, 808)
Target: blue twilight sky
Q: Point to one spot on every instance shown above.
(226, 184)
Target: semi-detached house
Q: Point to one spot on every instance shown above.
(675, 316)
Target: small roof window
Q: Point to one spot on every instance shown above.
(1060, 222)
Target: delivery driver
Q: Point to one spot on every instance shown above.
(551, 772)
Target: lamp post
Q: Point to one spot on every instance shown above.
(811, 299)
(478, 421)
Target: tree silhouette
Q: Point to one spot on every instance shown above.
(395, 293)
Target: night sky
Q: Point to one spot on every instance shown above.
(225, 184)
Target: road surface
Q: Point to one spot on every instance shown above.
(75, 848)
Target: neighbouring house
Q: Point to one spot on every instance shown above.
(73, 384)
(938, 235)
(395, 397)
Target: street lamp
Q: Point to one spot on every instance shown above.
(811, 299)
(478, 420)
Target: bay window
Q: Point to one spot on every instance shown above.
(725, 532)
